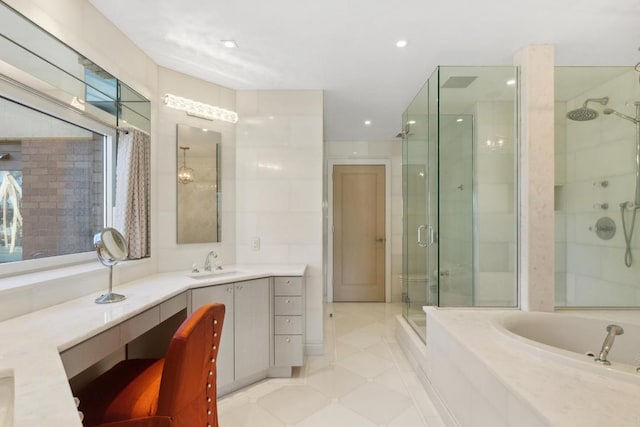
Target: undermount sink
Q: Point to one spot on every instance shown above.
(211, 274)
(6, 400)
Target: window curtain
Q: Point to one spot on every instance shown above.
(131, 214)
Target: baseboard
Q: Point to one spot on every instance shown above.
(314, 348)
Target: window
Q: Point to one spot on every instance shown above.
(55, 184)
(58, 115)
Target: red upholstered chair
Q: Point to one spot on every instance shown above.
(177, 391)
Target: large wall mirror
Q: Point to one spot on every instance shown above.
(198, 181)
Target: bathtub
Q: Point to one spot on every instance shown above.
(489, 367)
(577, 337)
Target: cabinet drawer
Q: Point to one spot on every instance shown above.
(285, 325)
(288, 306)
(136, 326)
(288, 350)
(288, 286)
(80, 357)
(172, 306)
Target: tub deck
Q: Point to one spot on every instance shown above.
(485, 377)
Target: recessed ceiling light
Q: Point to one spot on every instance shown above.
(367, 122)
(401, 43)
(511, 82)
(460, 120)
(231, 44)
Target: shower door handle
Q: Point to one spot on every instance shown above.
(420, 228)
(432, 236)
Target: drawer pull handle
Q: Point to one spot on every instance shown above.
(229, 290)
(288, 282)
(288, 301)
(288, 339)
(288, 320)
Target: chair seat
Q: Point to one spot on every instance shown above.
(129, 391)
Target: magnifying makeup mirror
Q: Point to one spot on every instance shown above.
(111, 248)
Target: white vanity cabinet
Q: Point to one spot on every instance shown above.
(244, 347)
(289, 324)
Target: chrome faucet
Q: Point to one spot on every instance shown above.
(211, 256)
(612, 330)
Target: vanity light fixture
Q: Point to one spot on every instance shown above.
(510, 82)
(199, 109)
(229, 44)
(401, 43)
(459, 119)
(367, 122)
(185, 174)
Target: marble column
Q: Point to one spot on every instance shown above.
(536, 177)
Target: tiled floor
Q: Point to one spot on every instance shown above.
(362, 380)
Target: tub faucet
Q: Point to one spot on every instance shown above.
(211, 256)
(612, 330)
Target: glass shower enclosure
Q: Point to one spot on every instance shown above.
(459, 192)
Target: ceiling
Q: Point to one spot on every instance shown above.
(348, 47)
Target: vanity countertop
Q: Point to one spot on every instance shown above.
(32, 343)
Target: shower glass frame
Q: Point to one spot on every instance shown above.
(471, 145)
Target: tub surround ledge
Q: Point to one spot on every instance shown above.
(32, 343)
(485, 378)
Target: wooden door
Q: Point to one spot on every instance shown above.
(359, 233)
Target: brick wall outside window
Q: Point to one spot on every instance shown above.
(62, 196)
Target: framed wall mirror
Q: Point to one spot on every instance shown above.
(198, 182)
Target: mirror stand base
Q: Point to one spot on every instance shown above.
(109, 298)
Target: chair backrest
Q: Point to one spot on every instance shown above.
(188, 385)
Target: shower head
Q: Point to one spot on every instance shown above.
(584, 113)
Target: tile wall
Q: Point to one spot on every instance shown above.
(496, 177)
(279, 163)
(172, 256)
(456, 187)
(591, 271)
